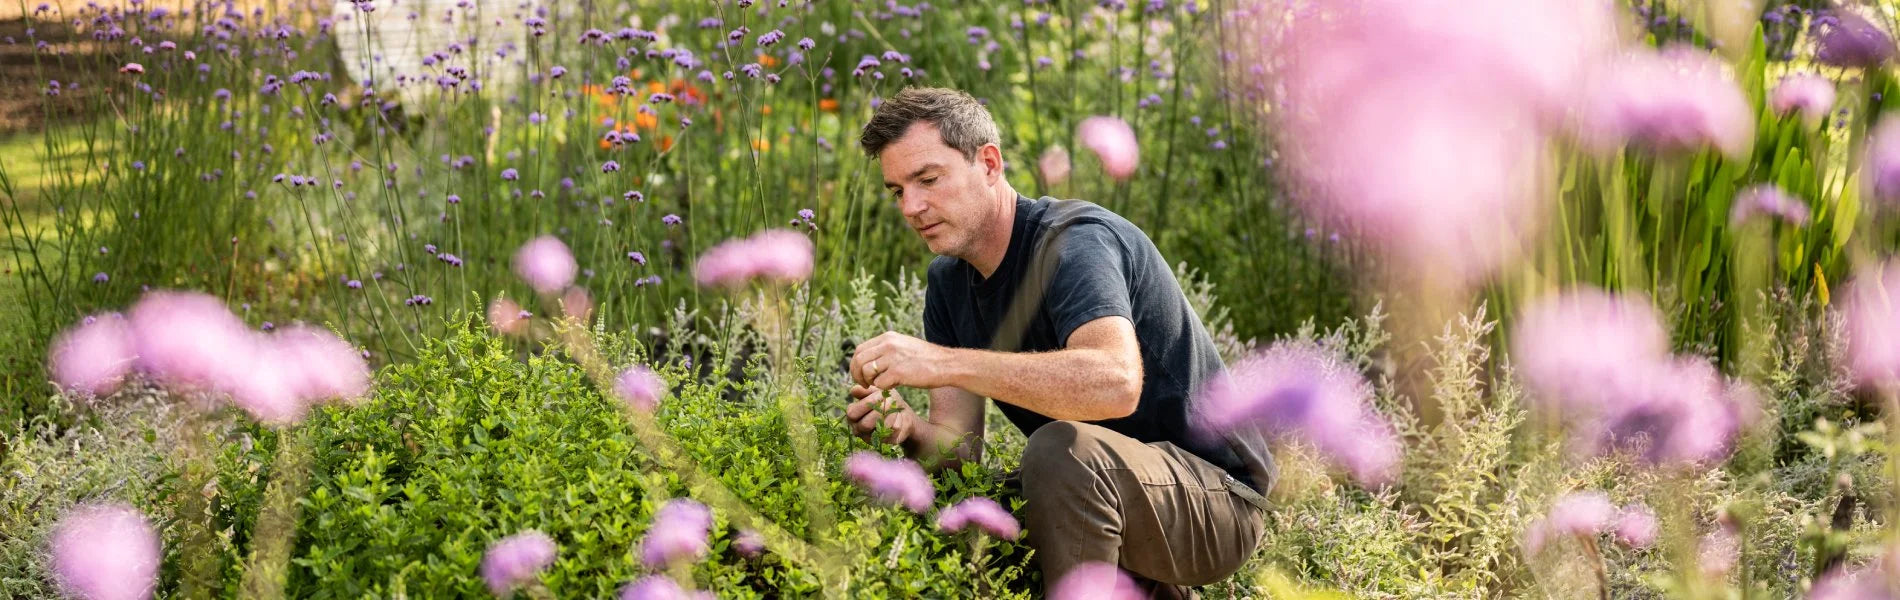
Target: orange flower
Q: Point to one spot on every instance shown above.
(828, 105)
(645, 120)
(605, 145)
(655, 87)
(762, 145)
(765, 109)
(768, 60)
(666, 143)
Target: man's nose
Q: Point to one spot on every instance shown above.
(911, 205)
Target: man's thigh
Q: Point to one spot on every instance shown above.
(1179, 521)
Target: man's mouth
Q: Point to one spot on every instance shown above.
(928, 228)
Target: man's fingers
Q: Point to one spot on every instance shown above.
(856, 409)
(868, 423)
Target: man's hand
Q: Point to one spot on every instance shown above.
(873, 407)
(892, 359)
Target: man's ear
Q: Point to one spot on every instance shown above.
(992, 158)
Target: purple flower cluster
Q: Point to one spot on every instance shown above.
(1298, 390)
(513, 561)
(105, 552)
(775, 255)
(1601, 363)
(891, 480)
(679, 533)
(984, 513)
(639, 388)
(1588, 514)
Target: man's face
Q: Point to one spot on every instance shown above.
(943, 196)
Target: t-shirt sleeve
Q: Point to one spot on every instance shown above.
(1090, 280)
(937, 312)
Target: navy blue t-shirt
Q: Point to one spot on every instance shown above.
(1070, 262)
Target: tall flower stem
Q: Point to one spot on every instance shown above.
(266, 570)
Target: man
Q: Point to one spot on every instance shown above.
(1066, 315)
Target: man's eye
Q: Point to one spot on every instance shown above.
(930, 181)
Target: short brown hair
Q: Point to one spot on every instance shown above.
(965, 124)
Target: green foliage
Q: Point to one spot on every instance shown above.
(468, 444)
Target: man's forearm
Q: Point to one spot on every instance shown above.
(1075, 384)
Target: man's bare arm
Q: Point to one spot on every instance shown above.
(1096, 376)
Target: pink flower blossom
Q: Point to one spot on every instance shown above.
(891, 480)
(1636, 526)
(1881, 163)
(1719, 550)
(1841, 583)
(776, 255)
(1769, 200)
(1678, 99)
(1811, 94)
(576, 303)
(1113, 141)
(505, 316)
(659, 587)
(92, 358)
(749, 543)
(515, 560)
(189, 340)
(1872, 320)
(639, 388)
(327, 367)
(106, 552)
(1581, 514)
(1054, 165)
(1299, 390)
(982, 512)
(679, 532)
(1420, 128)
(1568, 345)
(133, 68)
(546, 264)
(1096, 581)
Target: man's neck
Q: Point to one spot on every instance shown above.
(989, 257)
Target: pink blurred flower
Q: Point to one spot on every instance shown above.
(1113, 141)
(783, 255)
(659, 587)
(1636, 526)
(327, 367)
(1719, 550)
(983, 512)
(639, 388)
(1054, 165)
(105, 552)
(1881, 163)
(1299, 390)
(1679, 412)
(679, 532)
(1420, 127)
(1767, 199)
(546, 264)
(576, 303)
(1581, 514)
(1872, 320)
(1568, 345)
(749, 543)
(506, 317)
(1841, 583)
(133, 68)
(92, 358)
(775, 255)
(891, 480)
(189, 340)
(1678, 99)
(266, 387)
(1809, 93)
(1095, 581)
(515, 560)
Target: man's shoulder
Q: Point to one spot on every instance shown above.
(1064, 214)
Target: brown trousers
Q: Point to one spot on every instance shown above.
(1167, 516)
